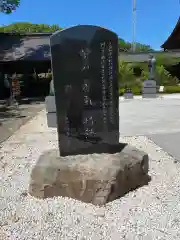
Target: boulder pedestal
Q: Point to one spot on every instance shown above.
(93, 178)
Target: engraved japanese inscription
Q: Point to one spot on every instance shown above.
(85, 72)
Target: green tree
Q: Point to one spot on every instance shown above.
(126, 75)
(127, 46)
(161, 59)
(162, 75)
(8, 6)
(23, 27)
(144, 75)
(164, 78)
(161, 62)
(143, 48)
(124, 46)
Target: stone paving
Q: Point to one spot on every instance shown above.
(12, 118)
(158, 119)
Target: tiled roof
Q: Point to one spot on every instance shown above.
(29, 46)
(25, 34)
(173, 41)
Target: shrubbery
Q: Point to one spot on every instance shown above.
(135, 90)
(127, 77)
(172, 89)
(167, 90)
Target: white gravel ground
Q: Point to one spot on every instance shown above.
(151, 212)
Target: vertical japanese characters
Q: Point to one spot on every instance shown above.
(88, 122)
(110, 81)
(67, 128)
(103, 83)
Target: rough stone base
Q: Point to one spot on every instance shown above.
(93, 178)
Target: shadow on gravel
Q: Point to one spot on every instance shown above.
(38, 100)
(13, 112)
(8, 113)
(97, 148)
(13, 117)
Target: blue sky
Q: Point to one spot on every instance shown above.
(155, 18)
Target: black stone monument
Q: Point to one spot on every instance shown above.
(85, 73)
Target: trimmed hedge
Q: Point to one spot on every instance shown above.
(172, 89)
(135, 90)
(167, 89)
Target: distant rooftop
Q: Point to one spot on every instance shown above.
(24, 46)
(26, 34)
(173, 41)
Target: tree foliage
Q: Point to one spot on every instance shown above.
(8, 6)
(127, 46)
(162, 75)
(164, 78)
(23, 27)
(161, 60)
(126, 74)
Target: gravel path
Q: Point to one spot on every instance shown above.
(151, 212)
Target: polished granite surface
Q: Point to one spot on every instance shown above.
(85, 72)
